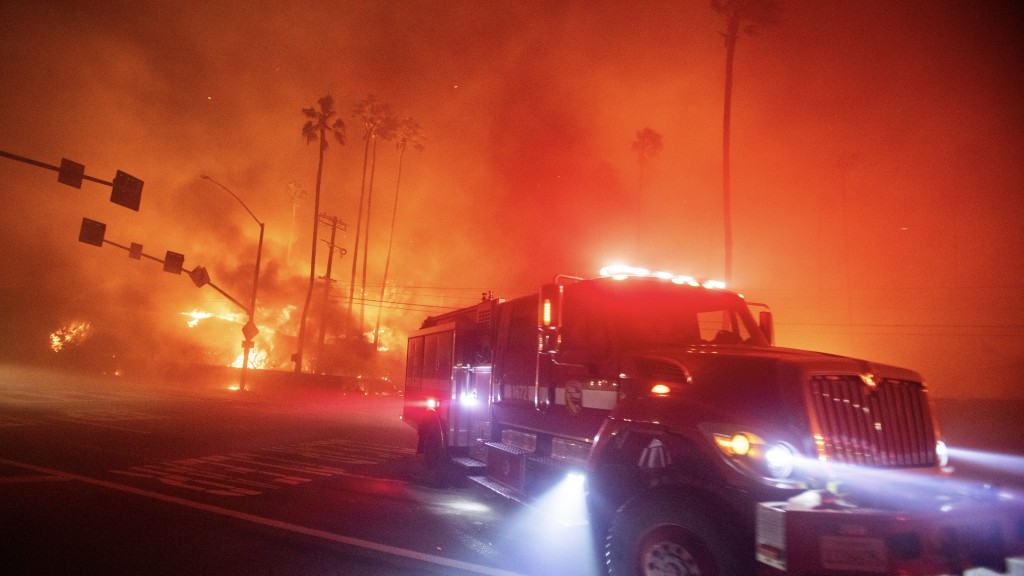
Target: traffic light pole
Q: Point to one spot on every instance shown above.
(249, 330)
(250, 326)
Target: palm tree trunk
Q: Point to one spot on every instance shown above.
(366, 232)
(730, 52)
(359, 222)
(387, 259)
(312, 257)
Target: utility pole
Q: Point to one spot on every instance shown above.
(334, 223)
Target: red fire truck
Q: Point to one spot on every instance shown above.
(704, 448)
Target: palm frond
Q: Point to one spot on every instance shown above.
(338, 129)
(310, 132)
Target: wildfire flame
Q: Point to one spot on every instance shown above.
(196, 315)
(69, 335)
(257, 358)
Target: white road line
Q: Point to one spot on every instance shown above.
(270, 522)
(32, 478)
(97, 424)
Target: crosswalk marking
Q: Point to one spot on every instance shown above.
(271, 522)
(253, 473)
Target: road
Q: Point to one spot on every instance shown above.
(111, 476)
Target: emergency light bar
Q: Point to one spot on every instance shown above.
(622, 271)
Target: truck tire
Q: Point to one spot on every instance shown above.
(652, 536)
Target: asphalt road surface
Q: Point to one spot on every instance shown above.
(111, 476)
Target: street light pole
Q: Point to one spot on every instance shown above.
(249, 330)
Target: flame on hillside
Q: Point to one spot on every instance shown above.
(196, 315)
(71, 334)
(257, 358)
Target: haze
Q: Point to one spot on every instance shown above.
(876, 156)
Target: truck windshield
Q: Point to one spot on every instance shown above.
(649, 313)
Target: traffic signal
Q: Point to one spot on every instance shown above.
(127, 191)
(173, 262)
(135, 251)
(92, 232)
(70, 173)
(200, 277)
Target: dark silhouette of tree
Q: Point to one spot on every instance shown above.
(378, 123)
(408, 134)
(647, 145)
(741, 17)
(319, 121)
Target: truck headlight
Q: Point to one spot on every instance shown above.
(942, 453)
(772, 462)
(779, 459)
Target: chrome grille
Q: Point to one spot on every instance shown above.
(886, 425)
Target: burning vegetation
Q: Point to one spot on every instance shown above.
(71, 334)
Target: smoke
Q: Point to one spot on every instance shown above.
(875, 165)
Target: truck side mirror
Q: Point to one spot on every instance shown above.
(549, 318)
(767, 325)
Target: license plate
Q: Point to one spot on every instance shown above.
(853, 553)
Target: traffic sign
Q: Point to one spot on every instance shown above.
(250, 330)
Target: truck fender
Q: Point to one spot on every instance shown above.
(629, 459)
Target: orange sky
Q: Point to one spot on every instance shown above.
(876, 162)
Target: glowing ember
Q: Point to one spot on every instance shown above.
(69, 335)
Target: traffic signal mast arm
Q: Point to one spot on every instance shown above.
(229, 297)
(66, 167)
(93, 232)
(126, 190)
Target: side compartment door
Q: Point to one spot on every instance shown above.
(470, 405)
(429, 374)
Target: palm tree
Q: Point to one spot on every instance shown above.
(378, 123)
(318, 123)
(409, 133)
(647, 145)
(741, 16)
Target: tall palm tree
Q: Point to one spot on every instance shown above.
(741, 17)
(319, 121)
(647, 145)
(409, 134)
(378, 123)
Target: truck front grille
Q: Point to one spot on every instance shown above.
(885, 425)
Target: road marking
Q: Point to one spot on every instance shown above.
(270, 522)
(32, 478)
(108, 415)
(14, 422)
(253, 473)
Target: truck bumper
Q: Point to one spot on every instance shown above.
(794, 540)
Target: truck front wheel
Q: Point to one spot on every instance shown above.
(652, 536)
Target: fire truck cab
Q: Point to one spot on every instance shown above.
(705, 449)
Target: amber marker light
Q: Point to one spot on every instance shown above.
(660, 389)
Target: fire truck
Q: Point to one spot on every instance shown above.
(702, 447)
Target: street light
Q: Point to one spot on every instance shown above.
(249, 330)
